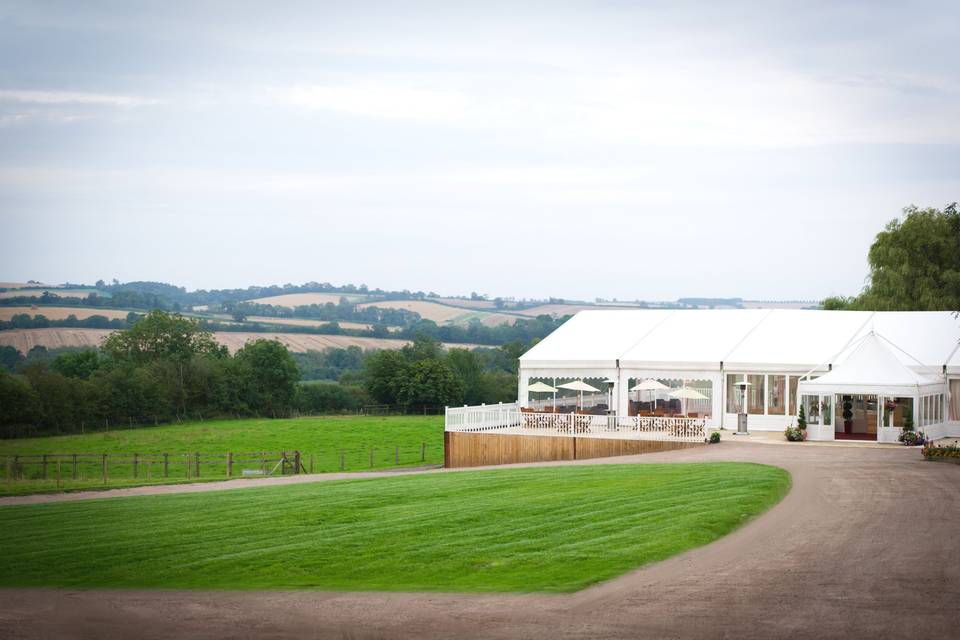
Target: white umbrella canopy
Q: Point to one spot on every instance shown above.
(541, 387)
(650, 385)
(687, 393)
(578, 385)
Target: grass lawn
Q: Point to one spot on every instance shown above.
(324, 438)
(536, 529)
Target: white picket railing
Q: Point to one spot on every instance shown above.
(509, 418)
(481, 418)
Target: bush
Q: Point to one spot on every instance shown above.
(795, 434)
(329, 397)
(715, 437)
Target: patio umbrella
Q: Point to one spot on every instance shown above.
(542, 387)
(578, 385)
(649, 385)
(687, 393)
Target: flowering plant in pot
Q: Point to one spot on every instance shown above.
(795, 434)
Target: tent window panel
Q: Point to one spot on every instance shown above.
(955, 399)
(776, 400)
(811, 407)
(794, 381)
(733, 393)
(755, 394)
(903, 408)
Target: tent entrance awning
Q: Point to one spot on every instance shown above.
(872, 369)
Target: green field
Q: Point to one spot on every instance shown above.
(533, 529)
(326, 441)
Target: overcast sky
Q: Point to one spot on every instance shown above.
(579, 150)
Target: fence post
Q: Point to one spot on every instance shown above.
(229, 464)
(44, 473)
(166, 464)
(105, 474)
(196, 457)
(58, 473)
(371, 457)
(136, 466)
(423, 451)
(396, 456)
(311, 463)
(16, 465)
(74, 466)
(296, 463)
(263, 463)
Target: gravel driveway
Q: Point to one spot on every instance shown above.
(865, 545)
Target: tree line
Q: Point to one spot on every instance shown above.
(914, 265)
(167, 368)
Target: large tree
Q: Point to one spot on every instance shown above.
(914, 265)
(268, 375)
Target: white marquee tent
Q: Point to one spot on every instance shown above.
(773, 349)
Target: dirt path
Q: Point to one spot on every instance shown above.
(863, 546)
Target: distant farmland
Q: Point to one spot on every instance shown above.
(443, 314)
(25, 339)
(63, 293)
(298, 299)
(302, 322)
(62, 313)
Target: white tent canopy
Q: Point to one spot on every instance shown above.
(872, 367)
(741, 339)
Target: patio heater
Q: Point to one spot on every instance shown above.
(610, 382)
(742, 416)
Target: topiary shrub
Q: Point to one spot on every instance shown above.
(715, 437)
(802, 419)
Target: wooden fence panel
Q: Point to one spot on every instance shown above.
(464, 449)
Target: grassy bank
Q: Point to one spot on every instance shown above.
(536, 529)
(353, 443)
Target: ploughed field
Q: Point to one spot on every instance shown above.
(529, 529)
(329, 444)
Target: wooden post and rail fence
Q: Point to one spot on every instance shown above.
(90, 469)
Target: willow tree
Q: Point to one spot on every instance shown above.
(914, 265)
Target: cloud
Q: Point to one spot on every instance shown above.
(377, 100)
(73, 97)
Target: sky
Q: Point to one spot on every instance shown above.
(629, 150)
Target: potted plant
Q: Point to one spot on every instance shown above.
(802, 419)
(907, 435)
(847, 415)
(795, 434)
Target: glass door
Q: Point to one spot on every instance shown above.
(856, 417)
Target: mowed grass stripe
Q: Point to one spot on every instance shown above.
(535, 529)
